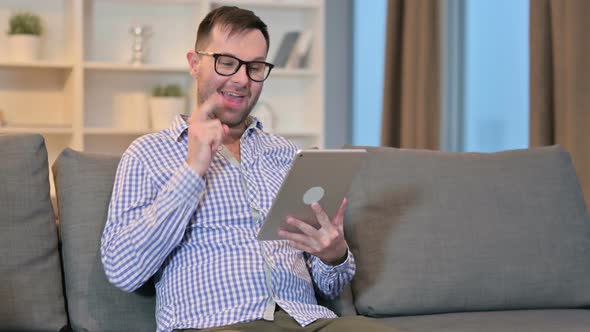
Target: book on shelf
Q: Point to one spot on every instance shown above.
(285, 49)
(299, 56)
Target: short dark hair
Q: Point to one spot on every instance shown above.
(234, 18)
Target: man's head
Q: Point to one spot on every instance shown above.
(235, 19)
(241, 35)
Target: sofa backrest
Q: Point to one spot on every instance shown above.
(84, 182)
(436, 232)
(31, 293)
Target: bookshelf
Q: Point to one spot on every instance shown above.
(69, 94)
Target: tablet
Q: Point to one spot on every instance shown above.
(322, 176)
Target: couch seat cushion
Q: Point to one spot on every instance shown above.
(496, 321)
(31, 294)
(84, 183)
(438, 232)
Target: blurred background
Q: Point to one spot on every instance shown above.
(450, 75)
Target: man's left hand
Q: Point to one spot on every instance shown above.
(327, 242)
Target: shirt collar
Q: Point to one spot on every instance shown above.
(179, 126)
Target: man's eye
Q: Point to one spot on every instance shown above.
(257, 67)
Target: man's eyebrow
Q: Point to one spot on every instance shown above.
(260, 58)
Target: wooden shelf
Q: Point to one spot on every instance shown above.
(84, 79)
(164, 2)
(288, 72)
(123, 67)
(36, 130)
(276, 4)
(41, 64)
(115, 131)
(292, 133)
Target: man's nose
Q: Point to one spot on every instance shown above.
(241, 76)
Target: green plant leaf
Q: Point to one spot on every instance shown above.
(169, 90)
(25, 23)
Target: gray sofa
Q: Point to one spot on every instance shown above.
(443, 242)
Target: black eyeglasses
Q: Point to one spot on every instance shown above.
(227, 65)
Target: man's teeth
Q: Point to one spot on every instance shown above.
(231, 94)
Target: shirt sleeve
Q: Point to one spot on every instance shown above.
(330, 280)
(146, 222)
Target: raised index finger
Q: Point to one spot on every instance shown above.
(206, 110)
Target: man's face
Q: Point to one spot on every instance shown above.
(238, 94)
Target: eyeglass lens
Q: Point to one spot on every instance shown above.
(227, 65)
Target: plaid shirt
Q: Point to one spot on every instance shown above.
(197, 235)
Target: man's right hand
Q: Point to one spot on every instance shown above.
(205, 135)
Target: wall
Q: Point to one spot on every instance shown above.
(338, 72)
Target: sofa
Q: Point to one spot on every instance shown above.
(443, 242)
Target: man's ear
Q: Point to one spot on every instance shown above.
(193, 62)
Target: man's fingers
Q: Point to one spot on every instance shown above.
(206, 110)
(300, 238)
(321, 216)
(216, 137)
(301, 246)
(339, 217)
(304, 227)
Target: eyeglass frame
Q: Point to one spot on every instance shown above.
(240, 63)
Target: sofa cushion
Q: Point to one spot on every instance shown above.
(31, 294)
(84, 183)
(342, 305)
(437, 232)
(568, 320)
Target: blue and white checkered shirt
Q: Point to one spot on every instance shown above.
(197, 235)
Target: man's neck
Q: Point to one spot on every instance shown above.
(234, 148)
(235, 133)
(232, 139)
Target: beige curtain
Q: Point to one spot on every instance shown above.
(411, 98)
(560, 79)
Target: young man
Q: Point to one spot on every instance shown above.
(188, 203)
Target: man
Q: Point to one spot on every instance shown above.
(188, 202)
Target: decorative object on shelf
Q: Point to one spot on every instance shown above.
(24, 37)
(264, 113)
(2, 119)
(166, 102)
(299, 57)
(285, 48)
(131, 112)
(139, 48)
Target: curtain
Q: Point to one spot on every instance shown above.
(411, 97)
(560, 80)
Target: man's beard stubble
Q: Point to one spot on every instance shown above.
(231, 124)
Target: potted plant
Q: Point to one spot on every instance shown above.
(24, 34)
(166, 102)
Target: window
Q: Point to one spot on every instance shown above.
(496, 75)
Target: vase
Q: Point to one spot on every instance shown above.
(131, 111)
(23, 48)
(163, 110)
